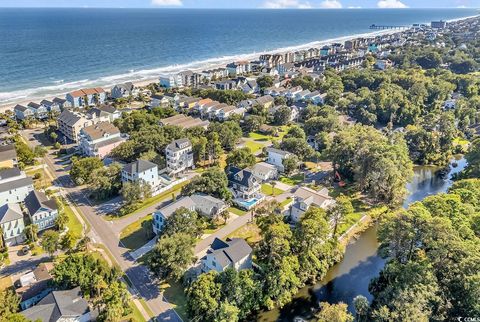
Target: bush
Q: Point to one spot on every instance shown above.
(37, 176)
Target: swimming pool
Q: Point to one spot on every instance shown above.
(247, 204)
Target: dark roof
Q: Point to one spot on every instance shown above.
(36, 200)
(179, 144)
(20, 108)
(46, 102)
(7, 152)
(10, 173)
(34, 105)
(15, 184)
(69, 118)
(59, 100)
(58, 304)
(229, 252)
(242, 177)
(139, 166)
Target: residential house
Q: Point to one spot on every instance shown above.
(316, 97)
(86, 97)
(265, 102)
(122, 90)
(42, 211)
(233, 253)
(264, 171)
(239, 68)
(104, 113)
(383, 64)
(276, 157)
(40, 111)
(204, 205)
(226, 112)
(62, 306)
(23, 112)
(51, 106)
(12, 224)
(302, 95)
(61, 103)
(99, 140)
(179, 156)
(200, 104)
(173, 80)
(141, 171)
(214, 74)
(305, 197)
(185, 122)
(70, 123)
(14, 185)
(35, 285)
(292, 92)
(243, 183)
(226, 84)
(189, 78)
(8, 156)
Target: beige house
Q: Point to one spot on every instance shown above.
(70, 123)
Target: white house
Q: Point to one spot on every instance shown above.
(141, 171)
(265, 171)
(204, 205)
(11, 221)
(40, 111)
(305, 198)
(233, 253)
(23, 112)
(302, 95)
(316, 97)
(179, 156)
(173, 80)
(276, 157)
(14, 186)
(239, 68)
(42, 211)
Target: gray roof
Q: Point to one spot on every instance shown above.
(185, 202)
(242, 177)
(179, 144)
(59, 100)
(20, 108)
(208, 201)
(15, 184)
(10, 212)
(36, 200)
(9, 173)
(7, 152)
(46, 103)
(69, 118)
(278, 151)
(139, 166)
(58, 304)
(34, 105)
(229, 252)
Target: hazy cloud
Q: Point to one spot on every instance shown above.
(167, 3)
(283, 4)
(331, 4)
(391, 4)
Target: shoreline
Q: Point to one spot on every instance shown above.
(145, 77)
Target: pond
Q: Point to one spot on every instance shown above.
(361, 263)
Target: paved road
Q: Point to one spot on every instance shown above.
(101, 232)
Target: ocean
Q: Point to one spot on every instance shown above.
(47, 52)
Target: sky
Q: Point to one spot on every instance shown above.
(272, 4)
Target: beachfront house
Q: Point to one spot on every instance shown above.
(70, 123)
(23, 112)
(42, 211)
(169, 81)
(304, 198)
(233, 253)
(40, 112)
(204, 205)
(239, 68)
(51, 106)
(179, 156)
(86, 97)
(99, 140)
(122, 90)
(103, 113)
(12, 224)
(8, 156)
(14, 185)
(276, 157)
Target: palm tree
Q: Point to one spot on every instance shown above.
(274, 183)
(225, 215)
(2, 240)
(84, 243)
(61, 221)
(31, 232)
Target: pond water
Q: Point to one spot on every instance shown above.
(361, 263)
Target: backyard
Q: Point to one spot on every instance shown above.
(269, 190)
(293, 180)
(249, 232)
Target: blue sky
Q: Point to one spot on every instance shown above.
(244, 3)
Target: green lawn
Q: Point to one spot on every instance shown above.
(460, 141)
(43, 182)
(174, 293)
(293, 180)
(254, 146)
(258, 136)
(151, 201)
(236, 211)
(135, 235)
(348, 222)
(268, 190)
(5, 282)
(73, 224)
(286, 202)
(249, 232)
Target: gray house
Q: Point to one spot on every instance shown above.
(122, 90)
(23, 112)
(11, 221)
(42, 211)
(233, 253)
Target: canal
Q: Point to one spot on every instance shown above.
(361, 263)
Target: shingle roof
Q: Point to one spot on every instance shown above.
(10, 173)
(100, 130)
(185, 202)
(229, 252)
(20, 108)
(36, 200)
(7, 152)
(69, 118)
(242, 177)
(278, 151)
(15, 184)
(179, 144)
(139, 166)
(58, 304)
(9, 212)
(208, 201)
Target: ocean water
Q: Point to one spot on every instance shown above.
(46, 52)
